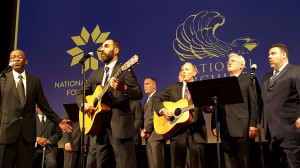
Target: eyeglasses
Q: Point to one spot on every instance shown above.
(231, 61)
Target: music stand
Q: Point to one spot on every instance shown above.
(213, 92)
(73, 111)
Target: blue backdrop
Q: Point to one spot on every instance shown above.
(165, 34)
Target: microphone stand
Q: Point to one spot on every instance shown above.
(253, 78)
(82, 153)
(3, 73)
(215, 98)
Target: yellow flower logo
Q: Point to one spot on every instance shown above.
(82, 41)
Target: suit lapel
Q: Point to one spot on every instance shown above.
(101, 74)
(116, 68)
(240, 77)
(267, 81)
(179, 90)
(147, 103)
(28, 89)
(11, 85)
(285, 69)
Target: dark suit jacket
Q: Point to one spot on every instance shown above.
(121, 122)
(51, 132)
(136, 108)
(235, 119)
(148, 121)
(174, 93)
(282, 103)
(74, 137)
(16, 118)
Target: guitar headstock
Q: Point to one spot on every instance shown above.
(133, 60)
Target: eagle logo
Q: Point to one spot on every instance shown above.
(196, 38)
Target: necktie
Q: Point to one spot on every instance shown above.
(272, 80)
(148, 99)
(43, 126)
(187, 94)
(106, 75)
(43, 121)
(146, 103)
(21, 90)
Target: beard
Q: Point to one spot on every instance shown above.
(107, 57)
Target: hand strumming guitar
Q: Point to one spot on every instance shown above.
(88, 108)
(118, 85)
(166, 114)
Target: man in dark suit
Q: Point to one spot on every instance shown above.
(155, 143)
(72, 148)
(20, 92)
(48, 134)
(91, 160)
(136, 109)
(118, 128)
(192, 136)
(238, 122)
(281, 98)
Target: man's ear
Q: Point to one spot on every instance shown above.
(284, 54)
(194, 73)
(117, 51)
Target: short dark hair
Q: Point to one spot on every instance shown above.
(116, 44)
(282, 47)
(153, 79)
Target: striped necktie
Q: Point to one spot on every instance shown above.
(272, 80)
(187, 94)
(106, 75)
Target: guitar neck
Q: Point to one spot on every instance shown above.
(107, 86)
(188, 108)
(125, 66)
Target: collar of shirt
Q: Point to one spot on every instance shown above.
(184, 85)
(40, 117)
(111, 66)
(150, 96)
(237, 75)
(16, 75)
(281, 68)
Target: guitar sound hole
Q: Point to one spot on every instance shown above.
(172, 118)
(95, 102)
(177, 112)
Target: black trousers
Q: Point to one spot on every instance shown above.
(237, 152)
(180, 146)
(19, 154)
(285, 154)
(110, 150)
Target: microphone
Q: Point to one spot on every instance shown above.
(253, 69)
(10, 65)
(84, 58)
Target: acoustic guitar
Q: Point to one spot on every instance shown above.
(93, 122)
(181, 117)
